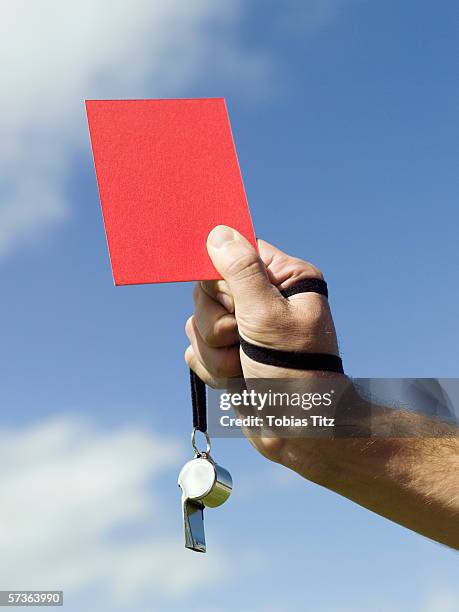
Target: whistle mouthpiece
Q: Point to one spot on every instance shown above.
(193, 520)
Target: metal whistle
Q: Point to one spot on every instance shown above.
(203, 484)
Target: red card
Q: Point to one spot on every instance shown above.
(168, 173)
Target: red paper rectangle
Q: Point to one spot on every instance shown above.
(168, 173)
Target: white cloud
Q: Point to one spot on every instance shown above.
(442, 600)
(54, 54)
(70, 494)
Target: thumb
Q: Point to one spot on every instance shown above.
(241, 267)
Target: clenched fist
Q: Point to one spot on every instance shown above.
(248, 302)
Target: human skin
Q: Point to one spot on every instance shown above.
(412, 481)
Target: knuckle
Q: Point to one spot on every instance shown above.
(210, 337)
(189, 355)
(244, 266)
(272, 448)
(189, 326)
(314, 271)
(218, 334)
(305, 269)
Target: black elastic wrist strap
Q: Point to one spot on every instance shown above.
(283, 359)
(307, 285)
(294, 359)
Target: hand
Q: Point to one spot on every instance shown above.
(411, 481)
(248, 302)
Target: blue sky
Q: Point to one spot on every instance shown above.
(343, 116)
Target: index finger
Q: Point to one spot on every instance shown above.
(219, 291)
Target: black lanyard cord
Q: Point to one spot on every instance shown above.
(199, 402)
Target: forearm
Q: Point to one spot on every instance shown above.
(412, 481)
(409, 478)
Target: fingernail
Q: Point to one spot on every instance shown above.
(220, 235)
